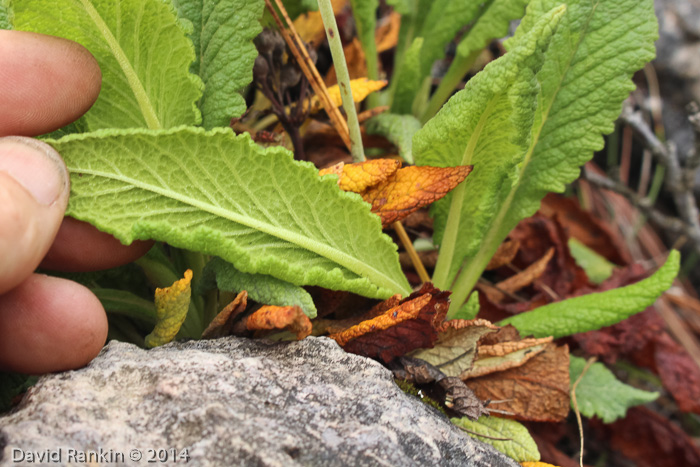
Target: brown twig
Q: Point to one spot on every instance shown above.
(298, 49)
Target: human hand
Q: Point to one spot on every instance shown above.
(46, 324)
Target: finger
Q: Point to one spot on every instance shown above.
(33, 198)
(81, 247)
(49, 324)
(45, 82)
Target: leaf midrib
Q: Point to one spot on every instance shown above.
(132, 78)
(339, 257)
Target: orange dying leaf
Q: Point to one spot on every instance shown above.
(417, 331)
(386, 320)
(291, 318)
(222, 324)
(411, 188)
(361, 88)
(362, 175)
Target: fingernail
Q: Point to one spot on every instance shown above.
(34, 165)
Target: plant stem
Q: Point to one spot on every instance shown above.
(341, 71)
(460, 66)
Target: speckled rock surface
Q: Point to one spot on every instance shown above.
(234, 402)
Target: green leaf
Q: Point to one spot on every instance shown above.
(520, 445)
(486, 125)
(399, 129)
(5, 15)
(223, 195)
(121, 302)
(143, 53)
(409, 83)
(470, 308)
(584, 79)
(597, 268)
(365, 14)
(596, 310)
(223, 36)
(262, 288)
(492, 22)
(402, 7)
(600, 394)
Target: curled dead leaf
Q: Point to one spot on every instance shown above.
(506, 355)
(518, 281)
(291, 318)
(504, 255)
(222, 324)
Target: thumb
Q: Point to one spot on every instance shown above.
(34, 190)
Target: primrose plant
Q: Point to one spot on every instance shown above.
(155, 159)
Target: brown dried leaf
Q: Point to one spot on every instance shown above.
(411, 188)
(519, 280)
(460, 399)
(506, 355)
(291, 318)
(678, 372)
(455, 348)
(418, 331)
(652, 440)
(222, 324)
(357, 66)
(387, 35)
(535, 391)
(504, 255)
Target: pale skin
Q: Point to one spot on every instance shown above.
(46, 324)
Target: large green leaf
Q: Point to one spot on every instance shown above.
(143, 53)
(223, 195)
(223, 36)
(262, 288)
(492, 21)
(600, 394)
(599, 44)
(596, 310)
(515, 441)
(486, 125)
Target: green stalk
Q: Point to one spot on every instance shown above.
(460, 66)
(341, 70)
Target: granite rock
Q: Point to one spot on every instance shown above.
(233, 402)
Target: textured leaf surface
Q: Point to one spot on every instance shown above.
(520, 445)
(600, 394)
(491, 22)
(597, 267)
(260, 287)
(143, 53)
(223, 33)
(5, 15)
(596, 310)
(399, 129)
(360, 176)
(172, 304)
(584, 79)
(487, 125)
(505, 355)
(221, 194)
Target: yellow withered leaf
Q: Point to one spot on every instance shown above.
(362, 175)
(172, 304)
(361, 88)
